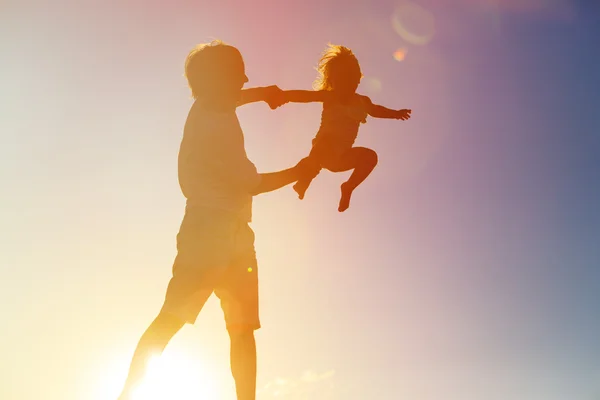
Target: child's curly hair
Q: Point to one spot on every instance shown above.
(202, 63)
(334, 60)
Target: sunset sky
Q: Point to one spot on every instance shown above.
(467, 267)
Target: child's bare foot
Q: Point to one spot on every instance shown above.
(300, 188)
(345, 199)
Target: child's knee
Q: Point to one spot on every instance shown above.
(370, 157)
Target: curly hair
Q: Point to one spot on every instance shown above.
(203, 62)
(334, 62)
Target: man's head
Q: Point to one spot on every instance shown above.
(215, 73)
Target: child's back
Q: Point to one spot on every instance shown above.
(340, 120)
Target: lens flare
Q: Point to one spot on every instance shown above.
(372, 84)
(413, 23)
(400, 54)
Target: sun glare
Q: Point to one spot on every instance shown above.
(176, 376)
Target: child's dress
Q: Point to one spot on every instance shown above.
(338, 130)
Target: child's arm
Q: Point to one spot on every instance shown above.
(377, 111)
(306, 96)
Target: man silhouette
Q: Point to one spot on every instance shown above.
(215, 244)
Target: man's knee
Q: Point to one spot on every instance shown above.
(241, 333)
(165, 325)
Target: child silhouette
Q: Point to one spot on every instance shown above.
(343, 112)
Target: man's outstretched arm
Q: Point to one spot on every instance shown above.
(269, 94)
(275, 180)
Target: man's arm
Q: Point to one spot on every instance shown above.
(231, 164)
(275, 180)
(252, 95)
(224, 157)
(377, 111)
(237, 170)
(272, 95)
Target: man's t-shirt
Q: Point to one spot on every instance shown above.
(214, 170)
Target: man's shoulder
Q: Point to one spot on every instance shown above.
(198, 113)
(200, 120)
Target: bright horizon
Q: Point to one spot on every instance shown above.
(465, 268)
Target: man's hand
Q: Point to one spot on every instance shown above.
(307, 167)
(403, 114)
(274, 96)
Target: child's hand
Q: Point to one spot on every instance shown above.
(274, 97)
(403, 114)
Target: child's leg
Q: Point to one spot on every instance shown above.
(303, 183)
(363, 161)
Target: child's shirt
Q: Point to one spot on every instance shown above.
(214, 170)
(340, 122)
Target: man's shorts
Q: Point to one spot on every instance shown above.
(215, 253)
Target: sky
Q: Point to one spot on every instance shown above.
(466, 267)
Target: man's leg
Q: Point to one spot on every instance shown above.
(152, 342)
(202, 245)
(243, 363)
(238, 291)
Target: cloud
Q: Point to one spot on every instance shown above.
(310, 384)
(312, 376)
